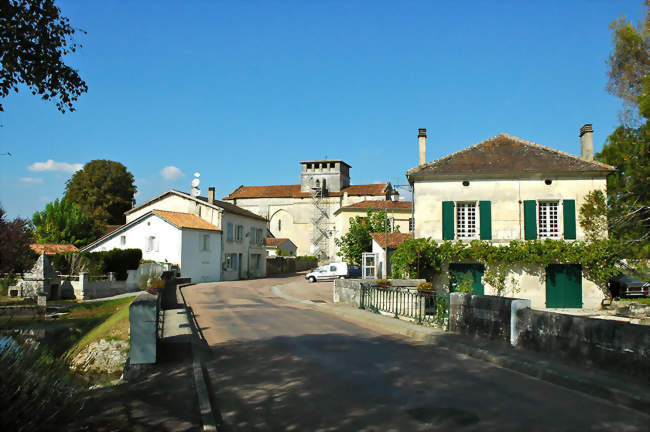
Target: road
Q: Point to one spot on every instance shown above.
(280, 365)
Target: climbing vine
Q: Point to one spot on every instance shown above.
(424, 258)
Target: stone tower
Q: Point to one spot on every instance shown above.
(327, 175)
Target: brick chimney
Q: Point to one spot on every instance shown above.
(587, 142)
(211, 195)
(422, 143)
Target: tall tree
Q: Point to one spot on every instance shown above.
(628, 147)
(103, 189)
(358, 240)
(64, 222)
(629, 63)
(15, 237)
(34, 39)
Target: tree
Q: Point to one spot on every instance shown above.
(34, 38)
(628, 147)
(103, 189)
(15, 237)
(358, 240)
(629, 63)
(593, 215)
(64, 222)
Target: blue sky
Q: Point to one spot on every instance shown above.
(242, 91)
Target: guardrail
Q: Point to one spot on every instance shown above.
(430, 307)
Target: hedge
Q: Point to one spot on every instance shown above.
(99, 263)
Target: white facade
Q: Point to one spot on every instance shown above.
(240, 258)
(161, 241)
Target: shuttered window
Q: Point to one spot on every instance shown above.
(569, 215)
(448, 220)
(548, 219)
(229, 231)
(485, 210)
(466, 220)
(530, 220)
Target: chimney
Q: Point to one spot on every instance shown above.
(422, 142)
(587, 142)
(211, 195)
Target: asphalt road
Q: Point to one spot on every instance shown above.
(280, 365)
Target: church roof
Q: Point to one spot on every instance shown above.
(507, 154)
(293, 191)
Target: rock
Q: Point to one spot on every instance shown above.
(106, 357)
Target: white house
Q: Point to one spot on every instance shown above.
(211, 240)
(506, 188)
(383, 246)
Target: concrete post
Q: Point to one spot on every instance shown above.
(111, 276)
(515, 327)
(84, 284)
(143, 319)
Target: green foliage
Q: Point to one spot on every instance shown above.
(35, 38)
(593, 215)
(104, 189)
(35, 389)
(99, 263)
(64, 222)
(358, 239)
(425, 286)
(629, 62)
(15, 237)
(417, 257)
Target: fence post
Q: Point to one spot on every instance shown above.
(362, 292)
(396, 298)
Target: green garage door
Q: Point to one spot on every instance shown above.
(470, 272)
(564, 286)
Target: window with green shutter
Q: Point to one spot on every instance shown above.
(530, 220)
(569, 219)
(447, 220)
(485, 212)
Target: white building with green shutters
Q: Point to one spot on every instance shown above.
(506, 188)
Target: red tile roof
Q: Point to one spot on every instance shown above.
(52, 248)
(275, 242)
(185, 220)
(380, 205)
(394, 239)
(293, 191)
(507, 154)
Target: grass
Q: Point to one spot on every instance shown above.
(642, 300)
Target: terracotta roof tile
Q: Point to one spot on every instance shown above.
(507, 154)
(52, 248)
(394, 239)
(381, 205)
(274, 242)
(185, 220)
(293, 191)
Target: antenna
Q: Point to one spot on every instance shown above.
(195, 191)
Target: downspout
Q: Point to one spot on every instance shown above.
(413, 208)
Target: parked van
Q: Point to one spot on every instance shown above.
(337, 270)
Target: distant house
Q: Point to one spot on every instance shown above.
(385, 244)
(273, 245)
(506, 188)
(52, 248)
(210, 240)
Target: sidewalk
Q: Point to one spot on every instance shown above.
(620, 390)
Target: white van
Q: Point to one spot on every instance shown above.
(337, 270)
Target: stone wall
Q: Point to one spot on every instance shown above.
(608, 344)
(484, 316)
(283, 265)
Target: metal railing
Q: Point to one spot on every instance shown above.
(422, 307)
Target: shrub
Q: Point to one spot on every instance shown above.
(98, 263)
(425, 286)
(383, 283)
(155, 286)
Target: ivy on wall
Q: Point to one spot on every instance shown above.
(424, 258)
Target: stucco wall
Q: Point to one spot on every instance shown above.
(167, 235)
(243, 247)
(507, 198)
(196, 263)
(297, 215)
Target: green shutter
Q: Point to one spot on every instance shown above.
(569, 219)
(485, 211)
(530, 220)
(448, 220)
